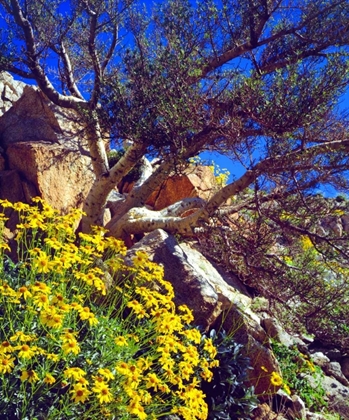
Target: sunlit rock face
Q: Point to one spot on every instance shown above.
(43, 149)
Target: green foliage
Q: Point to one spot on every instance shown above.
(227, 396)
(296, 368)
(277, 251)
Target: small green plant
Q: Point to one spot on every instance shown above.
(295, 368)
(80, 342)
(227, 396)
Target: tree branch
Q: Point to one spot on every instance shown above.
(33, 64)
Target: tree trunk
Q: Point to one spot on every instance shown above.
(96, 200)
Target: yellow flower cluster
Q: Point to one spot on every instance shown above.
(74, 337)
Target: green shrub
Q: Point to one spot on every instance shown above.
(227, 396)
(295, 368)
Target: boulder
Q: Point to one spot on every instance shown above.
(334, 369)
(214, 303)
(11, 187)
(61, 176)
(197, 181)
(331, 368)
(345, 366)
(336, 393)
(264, 412)
(30, 116)
(320, 359)
(276, 332)
(10, 91)
(2, 163)
(43, 149)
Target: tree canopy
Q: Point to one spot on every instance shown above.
(256, 80)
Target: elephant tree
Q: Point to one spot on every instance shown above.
(256, 80)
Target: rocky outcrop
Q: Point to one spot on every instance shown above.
(59, 175)
(10, 91)
(42, 151)
(32, 117)
(197, 181)
(214, 302)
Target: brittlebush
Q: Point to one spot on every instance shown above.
(84, 335)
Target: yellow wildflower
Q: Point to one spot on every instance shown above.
(41, 287)
(5, 347)
(84, 313)
(121, 341)
(74, 372)
(42, 263)
(275, 379)
(6, 364)
(41, 300)
(83, 381)
(140, 260)
(210, 348)
(23, 291)
(25, 351)
(29, 375)
(80, 393)
(136, 408)
(103, 392)
(53, 357)
(106, 373)
(138, 308)
(193, 335)
(71, 346)
(51, 317)
(49, 379)
(19, 335)
(152, 381)
(187, 316)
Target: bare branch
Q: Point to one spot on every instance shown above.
(34, 65)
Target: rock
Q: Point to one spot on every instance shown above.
(330, 368)
(345, 366)
(32, 117)
(10, 91)
(314, 416)
(214, 303)
(189, 284)
(197, 181)
(28, 119)
(292, 407)
(59, 175)
(297, 408)
(2, 163)
(11, 187)
(275, 331)
(264, 412)
(318, 358)
(334, 369)
(336, 393)
(31, 128)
